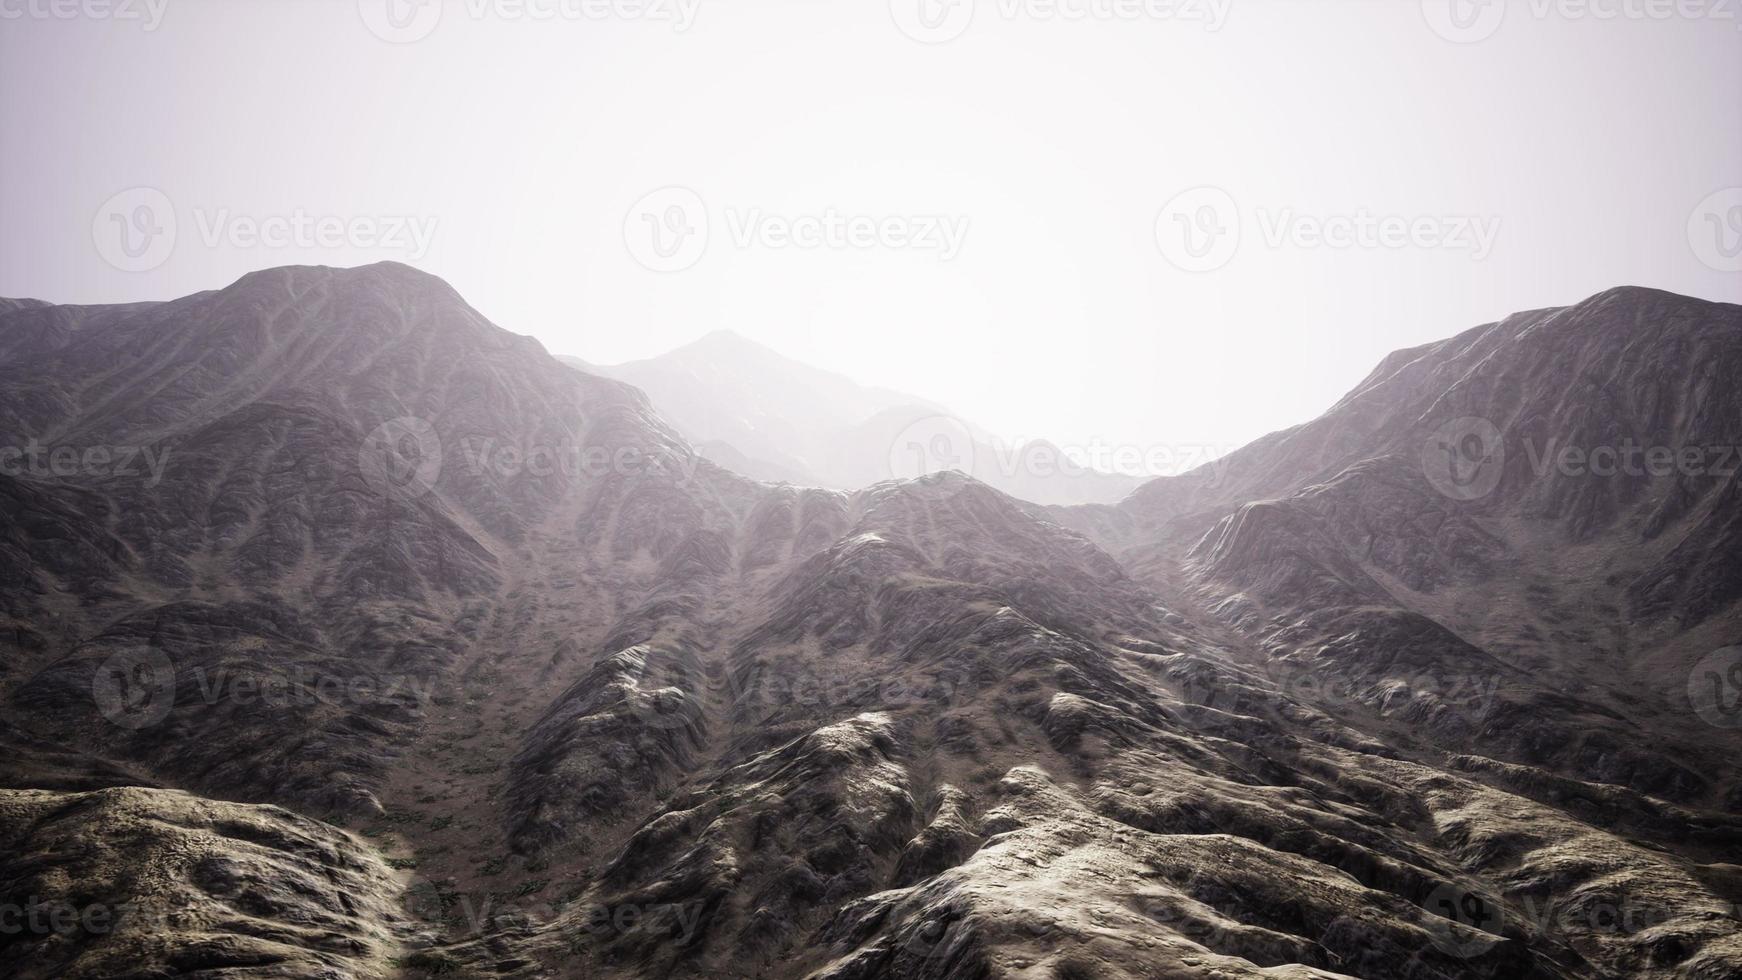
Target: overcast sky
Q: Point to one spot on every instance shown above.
(1152, 222)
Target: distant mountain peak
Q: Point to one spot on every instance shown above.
(727, 336)
(778, 419)
(726, 342)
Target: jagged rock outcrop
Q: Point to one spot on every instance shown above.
(148, 882)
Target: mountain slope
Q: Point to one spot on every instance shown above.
(775, 419)
(724, 388)
(603, 708)
(1337, 539)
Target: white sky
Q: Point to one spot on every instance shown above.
(1593, 141)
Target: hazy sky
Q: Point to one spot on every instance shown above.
(1151, 222)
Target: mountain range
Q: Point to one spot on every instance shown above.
(351, 635)
(775, 419)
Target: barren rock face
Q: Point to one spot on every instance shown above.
(416, 652)
(146, 882)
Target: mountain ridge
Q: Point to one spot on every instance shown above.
(779, 420)
(1322, 715)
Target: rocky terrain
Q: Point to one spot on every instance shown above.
(399, 648)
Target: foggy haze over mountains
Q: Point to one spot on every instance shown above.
(910, 490)
(771, 418)
(1072, 147)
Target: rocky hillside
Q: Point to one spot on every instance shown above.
(403, 649)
